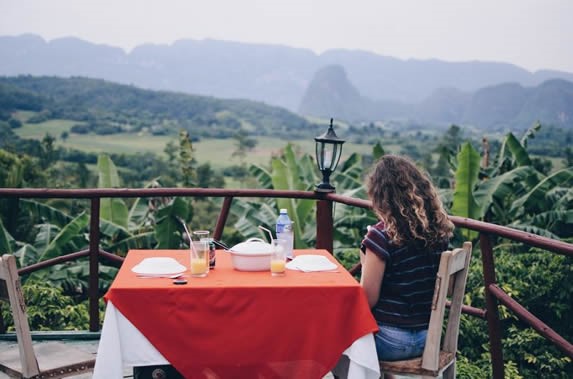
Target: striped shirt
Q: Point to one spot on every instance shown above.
(408, 284)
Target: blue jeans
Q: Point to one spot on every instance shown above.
(396, 344)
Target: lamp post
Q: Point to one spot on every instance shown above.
(328, 151)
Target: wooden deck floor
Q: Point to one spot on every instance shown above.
(91, 346)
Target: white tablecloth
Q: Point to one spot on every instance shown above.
(122, 345)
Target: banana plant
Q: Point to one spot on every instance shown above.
(288, 172)
(512, 192)
(293, 172)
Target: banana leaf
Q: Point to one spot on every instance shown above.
(350, 175)
(530, 134)
(168, 229)
(464, 203)
(112, 232)
(72, 230)
(111, 209)
(377, 151)
(251, 215)
(518, 151)
(46, 232)
(534, 201)
(286, 175)
(550, 218)
(540, 231)
(138, 215)
(26, 254)
(6, 240)
(308, 172)
(500, 188)
(145, 240)
(565, 200)
(262, 176)
(46, 212)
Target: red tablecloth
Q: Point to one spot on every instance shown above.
(235, 324)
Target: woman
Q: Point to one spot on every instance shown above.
(401, 255)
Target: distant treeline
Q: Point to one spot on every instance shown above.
(102, 107)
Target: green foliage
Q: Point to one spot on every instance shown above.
(186, 160)
(103, 107)
(536, 280)
(467, 369)
(49, 309)
(511, 191)
(348, 258)
(168, 229)
(55, 246)
(111, 209)
(464, 204)
(294, 171)
(6, 240)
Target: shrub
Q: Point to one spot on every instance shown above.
(49, 309)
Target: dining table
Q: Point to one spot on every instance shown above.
(237, 324)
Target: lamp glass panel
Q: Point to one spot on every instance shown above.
(337, 151)
(319, 156)
(328, 155)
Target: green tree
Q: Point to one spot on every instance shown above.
(186, 160)
(48, 154)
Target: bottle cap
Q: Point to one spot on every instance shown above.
(283, 210)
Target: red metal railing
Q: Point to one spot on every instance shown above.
(324, 240)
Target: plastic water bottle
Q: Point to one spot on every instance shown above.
(285, 231)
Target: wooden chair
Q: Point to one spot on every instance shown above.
(46, 360)
(436, 361)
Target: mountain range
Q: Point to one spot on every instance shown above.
(379, 86)
(497, 107)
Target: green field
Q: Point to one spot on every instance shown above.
(218, 152)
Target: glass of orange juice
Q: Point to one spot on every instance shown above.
(278, 257)
(199, 259)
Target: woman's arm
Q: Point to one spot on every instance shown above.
(372, 273)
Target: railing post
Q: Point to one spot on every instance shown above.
(324, 225)
(222, 220)
(93, 289)
(492, 315)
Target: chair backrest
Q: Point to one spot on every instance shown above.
(452, 276)
(11, 290)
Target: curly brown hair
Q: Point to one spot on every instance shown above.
(404, 198)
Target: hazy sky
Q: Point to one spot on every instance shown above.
(534, 34)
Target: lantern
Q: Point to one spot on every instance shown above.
(328, 151)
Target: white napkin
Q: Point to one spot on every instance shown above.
(158, 266)
(311, 263)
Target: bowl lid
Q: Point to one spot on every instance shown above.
(252, 246)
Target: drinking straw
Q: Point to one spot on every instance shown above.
(188, 235)
(268, 231)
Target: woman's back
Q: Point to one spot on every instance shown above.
(407, 288)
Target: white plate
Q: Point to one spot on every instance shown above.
(157, 266)
(311, 263)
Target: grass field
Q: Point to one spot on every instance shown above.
(218, 152)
